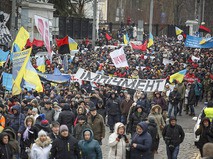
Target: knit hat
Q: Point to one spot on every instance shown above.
(44, 122)
(63, 128)
(42, 132)
(35, 110)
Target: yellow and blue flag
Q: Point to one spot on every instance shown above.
(40, 62)
(21, 40)
(3, 57)
(72, 44)
(178, 76)
(126, 39)
(31, 77)
(205, 40)
(151, 40)
(178, 31)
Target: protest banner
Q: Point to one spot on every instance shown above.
(42, 25)
(119, 58)
(194, 42)
(146, 85)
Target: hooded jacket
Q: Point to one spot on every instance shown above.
(206, 134)
(144, 143)
(5, 149)
(117, 148)
(90, 149)
(17, 120)
(113, 106)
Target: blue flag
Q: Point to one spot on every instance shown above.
(7, 81)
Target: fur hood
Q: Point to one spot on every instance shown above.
(43, 144)
(156, 106)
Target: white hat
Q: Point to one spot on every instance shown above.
(42, 132)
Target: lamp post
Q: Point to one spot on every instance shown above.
(94, 29)
(151, 16)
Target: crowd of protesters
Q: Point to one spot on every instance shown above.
(68, 120)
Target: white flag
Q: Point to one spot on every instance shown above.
(119, 58)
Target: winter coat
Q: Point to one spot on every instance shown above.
(102, 112)
(65, 148)
(113, 106)
(191, 96)
(160, 101)
(78, 130)
(144, 143)
(158, 118)
(41, 150)
(17, 120)
(153, 131)
(173, 135)
(6, 151)
(125, 106)
(117, 148)
(32, 135)
(206, 134)
(12, 142)
(181, 89)
(66, 117)
(97, 126)
(49, 114)
(136, 118)
(144, 102)
(90, 149)
(174, 97)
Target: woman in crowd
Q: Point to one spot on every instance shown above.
(6, 151)
(90, 148)
(41, 147)
(118, 142)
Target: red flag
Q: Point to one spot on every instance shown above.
(141, 47)
(108, 37)
(63, 41)
(204, 29)
(28, 44)
(63, 45)
(38, 43)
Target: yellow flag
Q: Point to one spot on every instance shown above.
(151, 40)
(21, 38)
(16, 89)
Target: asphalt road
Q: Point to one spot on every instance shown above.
(187, 148)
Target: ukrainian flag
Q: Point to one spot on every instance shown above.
(21, 39)
(31, 77)
(126, 39)
(205, 40)
(178, 31)
(72, 44)
(178, 76)
(151, 40)
(40, 62)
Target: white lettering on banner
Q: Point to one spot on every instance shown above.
(42, 25)
(146, 85)
(119, 58)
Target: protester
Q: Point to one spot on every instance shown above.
(205, 132)
(48, 111)
(89, 147)
(173, 136)
(6, 151)
(118, 142)
(141, 142)
(66, 146)
(41, 147)
(54, 134)
(96, 122)
(174, 99)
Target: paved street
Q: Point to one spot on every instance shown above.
(187, 148)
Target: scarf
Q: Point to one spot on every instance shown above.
(26, 134)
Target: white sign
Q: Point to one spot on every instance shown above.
(119, 58)
(146, 85)
(42, 25)
(195, 58)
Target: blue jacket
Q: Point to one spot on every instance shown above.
(17, 120)
(90, 149)
(144, 143)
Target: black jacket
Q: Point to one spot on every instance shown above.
(153, 131)
(52, 136)
(174, 97)
(191, 97)
(113, 106)
(206, 134)
(65, 148)
(5, 149)
(66, 117)
(173, 135)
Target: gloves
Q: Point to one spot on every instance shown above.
(126, 139)
(119, 136)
